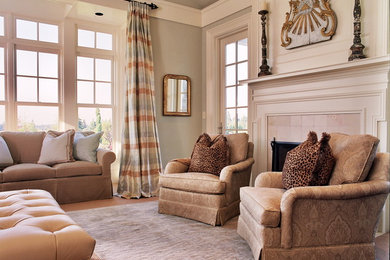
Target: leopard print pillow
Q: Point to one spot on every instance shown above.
(210, 156)
(309, 164)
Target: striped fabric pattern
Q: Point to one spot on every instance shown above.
(140, 158)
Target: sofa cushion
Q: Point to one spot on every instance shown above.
(71, 133)
(85, 146)
(354, 156)
(193, 181)
(5, 155)
(210, 156)
(25, 147)
(263, 204)
(57, 148)
(309, 164)
(27, 171)
(77, 168)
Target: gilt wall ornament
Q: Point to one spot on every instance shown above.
(308, 22)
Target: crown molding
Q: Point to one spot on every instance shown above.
(222, 9)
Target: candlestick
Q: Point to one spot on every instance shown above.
(264, 68)
(263, 5)
(357, 47)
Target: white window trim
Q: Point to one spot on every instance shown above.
(213, 39)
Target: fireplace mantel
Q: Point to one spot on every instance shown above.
(352, 97)
(305, 75)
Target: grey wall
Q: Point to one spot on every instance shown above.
(177, 49)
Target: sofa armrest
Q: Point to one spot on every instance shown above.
(177, 166)
(236, 176)
(269, 180)
(105, 158)
(333, 214)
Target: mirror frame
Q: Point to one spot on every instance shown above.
(179, 77)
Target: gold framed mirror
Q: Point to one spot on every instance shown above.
(177, 95)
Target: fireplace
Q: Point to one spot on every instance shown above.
(351, 98)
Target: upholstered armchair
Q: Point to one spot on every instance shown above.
(206, 197)
(337, 221)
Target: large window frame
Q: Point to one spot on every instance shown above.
(96, 53)
(67, 51)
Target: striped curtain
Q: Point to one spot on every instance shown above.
(140, 158)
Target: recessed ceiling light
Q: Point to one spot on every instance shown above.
(99, 14)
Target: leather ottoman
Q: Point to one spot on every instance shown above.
(33, 226)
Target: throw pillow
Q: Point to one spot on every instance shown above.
(56, 149)
(85, 146)
(354, 156)
(5, 155)
(309, 164)
(71, 139)
(209, 156)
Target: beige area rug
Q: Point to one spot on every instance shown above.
(137, 231)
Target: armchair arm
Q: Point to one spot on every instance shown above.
(227, 172)
(177, 166)
(269, 180)
(346, 213)
(105, 158)
(236, 176)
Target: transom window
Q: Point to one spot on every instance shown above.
(235, 96)
(92, 39)
(36, 31)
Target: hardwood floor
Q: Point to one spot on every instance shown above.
(381, 242)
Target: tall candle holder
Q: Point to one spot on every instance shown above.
(357, 47)
(264, 68)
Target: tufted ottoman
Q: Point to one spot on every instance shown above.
(33, 226)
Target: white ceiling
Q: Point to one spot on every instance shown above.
(198, 4)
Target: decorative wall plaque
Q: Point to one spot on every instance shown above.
(308, 22)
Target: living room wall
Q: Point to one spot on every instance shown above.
(177, 49)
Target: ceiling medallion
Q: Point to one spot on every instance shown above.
(308, 22)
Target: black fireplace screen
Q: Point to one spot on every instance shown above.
(279, 152)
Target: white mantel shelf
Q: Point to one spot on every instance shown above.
(352, 65)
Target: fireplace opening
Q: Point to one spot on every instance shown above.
(279, 152)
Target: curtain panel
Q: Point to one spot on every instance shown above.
(140, 156)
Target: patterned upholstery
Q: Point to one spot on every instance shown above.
(33, 226)
(316, 222)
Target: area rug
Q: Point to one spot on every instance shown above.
(138, 231)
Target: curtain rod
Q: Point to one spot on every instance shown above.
(151, 5)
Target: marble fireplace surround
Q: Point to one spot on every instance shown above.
(352, 98)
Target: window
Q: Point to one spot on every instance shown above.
(2, 89)
(91, 39)
(235, 96)
(36, 93)
(36, 31)
(37, 88)
(2, 26)
(94, 84)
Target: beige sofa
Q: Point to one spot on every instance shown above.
(67, 182)
(337, 221)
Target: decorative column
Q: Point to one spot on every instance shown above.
(357, 47)
(264, 68)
